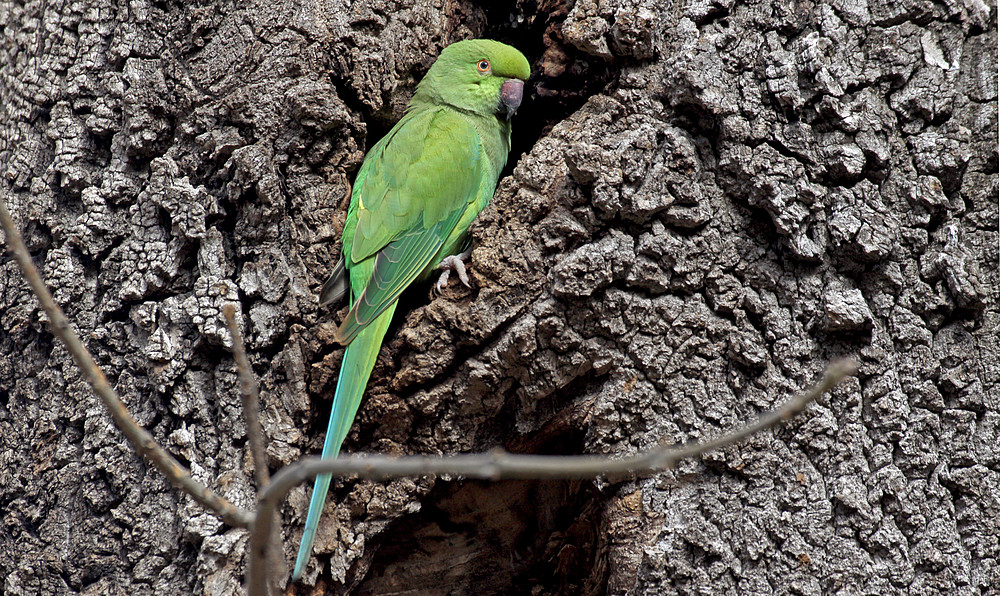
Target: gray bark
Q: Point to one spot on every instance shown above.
(715, 199)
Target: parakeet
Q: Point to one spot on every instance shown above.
(417, 192)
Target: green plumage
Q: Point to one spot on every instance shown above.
(416, 194)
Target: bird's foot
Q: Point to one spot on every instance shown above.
(454, 263)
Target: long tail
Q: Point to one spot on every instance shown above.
(359, 359)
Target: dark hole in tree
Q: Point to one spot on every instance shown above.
(562, 77)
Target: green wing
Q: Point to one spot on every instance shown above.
(430, 164)
(416, 187)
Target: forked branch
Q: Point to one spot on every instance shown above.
(495, 465)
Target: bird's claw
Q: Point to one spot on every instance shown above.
(453, 263)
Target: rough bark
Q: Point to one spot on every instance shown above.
(713, 200)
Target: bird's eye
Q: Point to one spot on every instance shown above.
(483, 66)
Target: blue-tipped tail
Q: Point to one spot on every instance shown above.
(359, 359)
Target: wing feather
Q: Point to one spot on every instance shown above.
(407, 208)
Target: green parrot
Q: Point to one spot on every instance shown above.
(414, 198)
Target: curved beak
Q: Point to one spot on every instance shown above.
(511, 93)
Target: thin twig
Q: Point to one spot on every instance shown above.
(251, 412)
(499, 465)
(251, 400)
(144, 442)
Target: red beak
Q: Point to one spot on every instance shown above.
(511, 93)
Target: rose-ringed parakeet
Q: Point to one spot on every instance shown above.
(414, 198)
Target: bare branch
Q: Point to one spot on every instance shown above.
(251, 400)
(144, 442)
(496, 465)
(499, 465)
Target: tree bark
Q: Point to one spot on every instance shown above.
(709, 202)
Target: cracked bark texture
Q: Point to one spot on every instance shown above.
(714, 200)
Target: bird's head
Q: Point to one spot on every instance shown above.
(481, 76)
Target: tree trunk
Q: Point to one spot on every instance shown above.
(709, 202)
